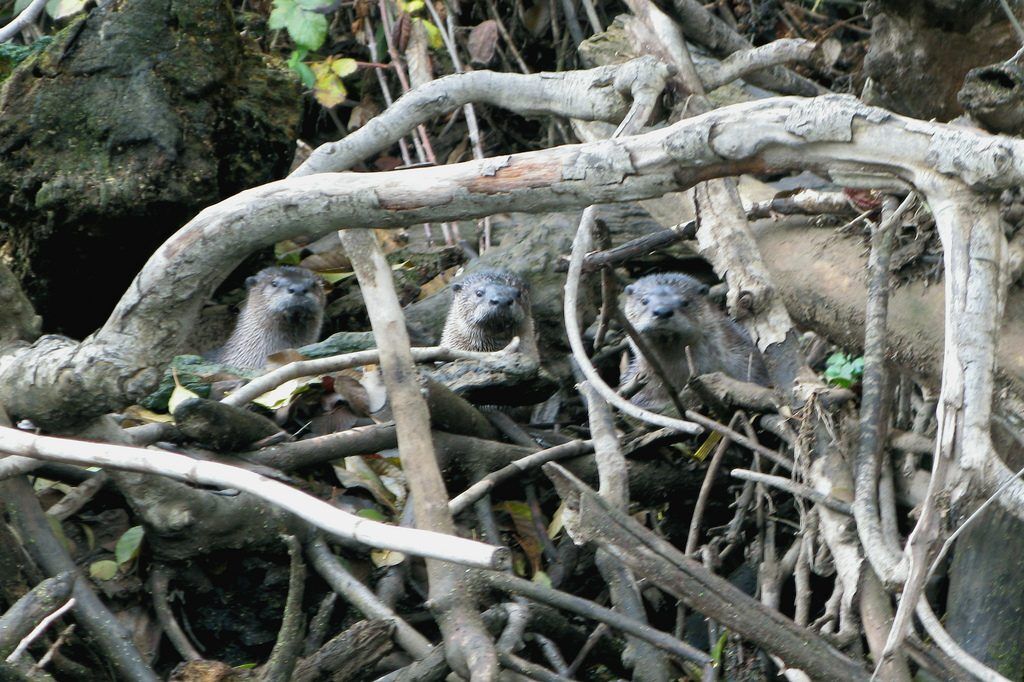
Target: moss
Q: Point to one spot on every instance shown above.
(110, 144)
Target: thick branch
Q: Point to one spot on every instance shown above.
(56, 381)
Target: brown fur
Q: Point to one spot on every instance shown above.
(675, 318)
(284, 309)
(488, 308)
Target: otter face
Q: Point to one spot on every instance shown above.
(293, 293)
(664, 310)
(494, 306)
(492, 300)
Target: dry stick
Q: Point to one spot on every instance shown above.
(283, 657)
(804, 202)
(602, 96)
(403, 146)
(467, 643)
(463, 500)
(609, 290)
(945, 642)
(740, 439)
(360, 596)
(315, 511)
(528, 668)
(421, 140)
(592, 639)
(78, 497)
(159, 578)
(39, 629)
(703, 27)
(371, 43)
(1009, 15)
(614, 488)
(693, 537)
(594, 520)
(781, 51)
(890, 567)
(107, 634)
(588, 609)
(335, 363)
(24, 18)
(595, 23)
(793, 488)
(447, 30)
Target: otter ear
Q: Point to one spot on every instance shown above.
(630, 289)
(703, 289)
(251, 281)
(456, 287)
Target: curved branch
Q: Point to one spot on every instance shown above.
(57, 381)
(27, 16)
(600, 94)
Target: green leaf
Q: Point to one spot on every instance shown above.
(541, 578)
(127, 548)
(19, 6)
(179, 395)
(372, 515)
(279, 16)
(707, 446)
(314, 5)
(719, 648)
(103, 570)
(306, 74)
(307, 29)
(411, 6)
(328, 90)
(433, 34)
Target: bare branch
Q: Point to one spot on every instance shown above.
(311, 509)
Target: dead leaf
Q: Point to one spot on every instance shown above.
(417, 55)
(483, 41)
(353, 393)
(340, 418)
(522, 520)
(327, 261)
(362, 113)
(437, 283)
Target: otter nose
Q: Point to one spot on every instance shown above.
(298, 288)
(662, 312)
(503, 301)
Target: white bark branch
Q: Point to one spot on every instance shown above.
(315, 511)
(26, 17)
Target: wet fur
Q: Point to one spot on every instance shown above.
(715, 342)
(273, 319)
(474, 323)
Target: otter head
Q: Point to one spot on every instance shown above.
(664, 308)
(495, 300)
(290, 294)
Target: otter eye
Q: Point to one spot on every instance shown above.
(275, 282)
(479, 292)
(684, 303)
(645, 301)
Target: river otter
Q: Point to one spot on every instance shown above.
(489, 307)
(685, 329)
(283, 309)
